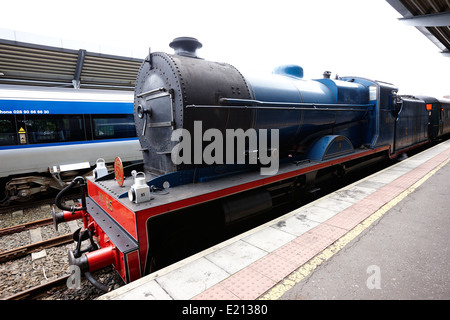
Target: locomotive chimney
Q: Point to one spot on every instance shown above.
(186, 46)
(326, 74)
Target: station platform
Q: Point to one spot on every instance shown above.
(270, 261)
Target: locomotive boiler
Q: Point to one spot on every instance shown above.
(175, 91)
(186, 106)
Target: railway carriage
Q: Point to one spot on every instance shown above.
(439, 116)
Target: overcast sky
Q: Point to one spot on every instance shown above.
(348, 37)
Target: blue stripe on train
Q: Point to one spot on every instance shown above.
(63, 107)
(55, 144)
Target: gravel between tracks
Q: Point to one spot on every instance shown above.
(23, 273)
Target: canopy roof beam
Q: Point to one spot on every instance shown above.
(79, 67)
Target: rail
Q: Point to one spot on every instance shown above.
(34, 247)
(25, 226)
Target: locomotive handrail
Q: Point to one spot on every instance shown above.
(256, 104)
(314, 107)
(154, 91)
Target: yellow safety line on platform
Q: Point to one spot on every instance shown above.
(302, 272)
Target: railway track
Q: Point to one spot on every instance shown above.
(38, 291)
(34, 247)
(23, 276)
(26, 205)
(25, 226)
(18, 245)
(6, 207)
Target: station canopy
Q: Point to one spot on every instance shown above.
(33, 64)
(39, 65)
(431, 17)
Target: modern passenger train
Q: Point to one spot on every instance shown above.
(48, 135)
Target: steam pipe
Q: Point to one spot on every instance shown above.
(58, 199)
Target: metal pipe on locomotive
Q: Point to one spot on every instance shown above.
(325, 129)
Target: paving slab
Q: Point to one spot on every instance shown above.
(195, 277)
(269, 239)
(236, 256)
(297, 224)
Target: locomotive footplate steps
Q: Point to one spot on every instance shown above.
(265, 262)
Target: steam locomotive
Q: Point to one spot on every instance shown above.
(220, 147)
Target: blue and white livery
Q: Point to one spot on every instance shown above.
(45, 132)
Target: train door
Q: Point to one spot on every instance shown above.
(411, 126)
(445, 112)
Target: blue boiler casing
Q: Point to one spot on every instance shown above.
(179, 91)
(314, 108)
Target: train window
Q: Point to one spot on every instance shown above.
(113, 126)
(55, 128)
(8, 132)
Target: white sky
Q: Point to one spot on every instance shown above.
(347, 37)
